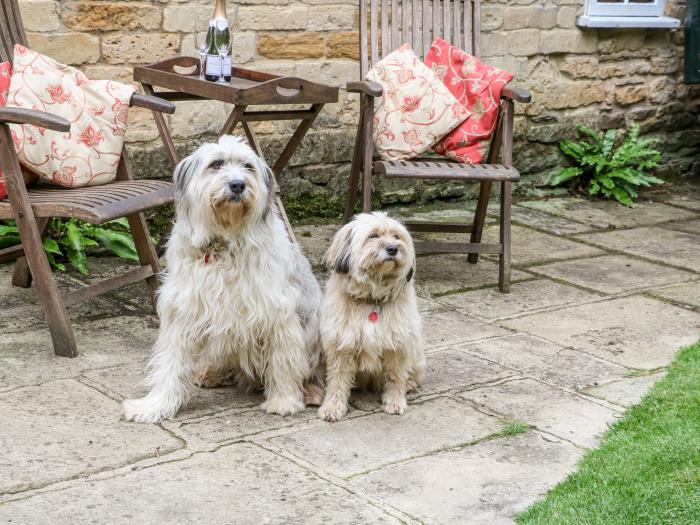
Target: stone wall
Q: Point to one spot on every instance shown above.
(605, 78)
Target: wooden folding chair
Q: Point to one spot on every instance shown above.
(33, 208)
(418, 22)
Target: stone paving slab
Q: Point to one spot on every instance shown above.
(439, 274)
(565, 415)
(546, 222)
(626, 392)
(658, 244)
(524, 297)
(442, 328)
(127, 382)
(604, 215)
(685, 226)
(486, 483)
(101, 343)
(533, 247)
(690, 202)
(687, 294)
(232, 425)
(62, 429)
(625, 331)
(446, 370)
(546, 361)
(613, 274)
(360, 444)
(242, 484)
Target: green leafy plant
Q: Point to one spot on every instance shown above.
(613, 164)
(69, 240)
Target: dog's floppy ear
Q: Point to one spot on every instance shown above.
(184, 171)
(265, 173)
(339, 252)
(410, 275)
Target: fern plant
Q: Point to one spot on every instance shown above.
(612, 164)
(68, 240)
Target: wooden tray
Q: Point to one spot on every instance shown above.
(181, 75)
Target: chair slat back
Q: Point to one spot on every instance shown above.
(11, 29)
(387, 24)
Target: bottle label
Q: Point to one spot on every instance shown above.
(214, 65)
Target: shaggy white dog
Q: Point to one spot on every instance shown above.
(370, 326)
(238, 298)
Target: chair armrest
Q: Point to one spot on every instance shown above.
(33, 117)
(516, 94)
(366, 87)
(152, 103)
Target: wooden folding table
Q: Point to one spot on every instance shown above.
(179, 79)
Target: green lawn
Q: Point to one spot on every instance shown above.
(647, 470)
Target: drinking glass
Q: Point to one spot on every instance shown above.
(202, 47)
(223, 46)
(202, 50)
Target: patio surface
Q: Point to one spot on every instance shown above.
(602, 298)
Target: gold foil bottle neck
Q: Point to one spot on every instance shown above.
(220, 9)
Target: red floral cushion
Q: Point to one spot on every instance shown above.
(89, 153)
(5, 73)
(478, 87)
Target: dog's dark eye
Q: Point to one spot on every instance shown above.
(396, 237)
(373, 236)
(249, 166)
(216, 165)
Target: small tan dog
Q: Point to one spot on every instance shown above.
(370, 327)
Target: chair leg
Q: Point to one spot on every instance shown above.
(367, 189)
(22, 276)
(351, 198)
(480, 218)
(504, 259)
(145, 250)
(47, 290)
(355, 170)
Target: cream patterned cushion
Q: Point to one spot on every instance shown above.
(89, 153)
(416, 109)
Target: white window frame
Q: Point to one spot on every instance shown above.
(626, 13)
(625, 8)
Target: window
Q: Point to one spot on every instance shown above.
(626, 13)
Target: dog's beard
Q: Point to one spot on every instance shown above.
(232, 210)
(383, 265)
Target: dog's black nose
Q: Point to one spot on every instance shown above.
(237, 186)
(392, 250)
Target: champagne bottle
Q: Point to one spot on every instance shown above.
(219, 33)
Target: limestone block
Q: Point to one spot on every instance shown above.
(139, 48)
(270, 18)
(343, 44)
(40, 15)
(332, 18)
(534, 16)
(292, 45)
(68, 48)
(110, 16)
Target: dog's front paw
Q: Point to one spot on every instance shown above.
(394, 406)
(142, 411)
(284, 406)
(332, 410)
